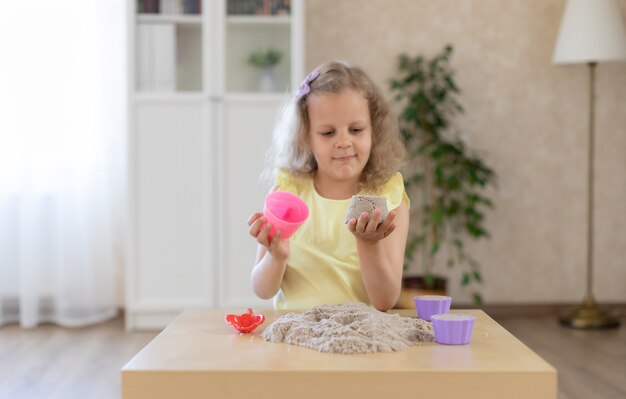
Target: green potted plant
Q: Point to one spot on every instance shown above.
(266, 60)
(445, 180)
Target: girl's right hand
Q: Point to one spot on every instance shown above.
(279, 249)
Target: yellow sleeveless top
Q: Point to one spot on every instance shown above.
(323, 266)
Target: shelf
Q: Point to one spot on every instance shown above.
(165, 96)
(258, 20)
(169, 55)
(233, 97)
(171, 51)
(246, 38)
(169, 19)
(255, 97)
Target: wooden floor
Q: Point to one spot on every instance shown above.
(55, 362)
(64, 363)
(590, 364)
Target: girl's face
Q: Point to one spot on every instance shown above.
(340, 134)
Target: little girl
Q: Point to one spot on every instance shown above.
(335, 139)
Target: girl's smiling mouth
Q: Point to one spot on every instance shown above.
(344, 158)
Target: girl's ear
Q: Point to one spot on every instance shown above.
(312, 161)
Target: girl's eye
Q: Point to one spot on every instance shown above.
(357, 130)
(327, 134)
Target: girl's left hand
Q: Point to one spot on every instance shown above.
(372, 230)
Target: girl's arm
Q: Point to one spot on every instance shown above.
(382, 254)
(269, 269)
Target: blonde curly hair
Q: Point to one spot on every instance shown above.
(291, 152)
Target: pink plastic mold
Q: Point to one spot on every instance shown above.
(284, 211)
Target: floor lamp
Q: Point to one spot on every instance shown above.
(592, 31)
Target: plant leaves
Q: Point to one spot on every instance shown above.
(465, 279)
(435, 248)
(429, 280)
(447, 178)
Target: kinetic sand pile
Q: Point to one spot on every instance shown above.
(349, 328)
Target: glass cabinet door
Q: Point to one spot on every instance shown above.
(258, 45)
(168, 46)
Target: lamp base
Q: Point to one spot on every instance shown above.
(589, 316)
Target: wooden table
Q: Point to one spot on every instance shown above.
(199, 356)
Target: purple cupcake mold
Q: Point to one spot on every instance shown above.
(428, 305)
(453, 328)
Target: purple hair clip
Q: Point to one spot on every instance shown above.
(304, 88)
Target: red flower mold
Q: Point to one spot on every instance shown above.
(246, 322)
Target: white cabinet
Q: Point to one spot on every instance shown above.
(243, 155)
(171, 241)
(199, 129)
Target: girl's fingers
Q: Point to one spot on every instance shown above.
(275, 240)
(389, 230)
(361, 224)
(254, 217)
(391, 216)
(372, 225)
(352, 225)
(262, 238)
(373, 228)
(255, 227)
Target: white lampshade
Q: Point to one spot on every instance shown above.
(591, 31)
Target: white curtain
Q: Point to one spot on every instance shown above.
(62, 159)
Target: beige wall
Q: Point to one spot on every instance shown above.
(526, 116)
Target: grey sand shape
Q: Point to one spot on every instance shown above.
(364, 203)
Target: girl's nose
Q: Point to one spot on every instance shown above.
(344, 144)
(343, 141)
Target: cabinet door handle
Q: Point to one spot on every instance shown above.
(216, 99)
